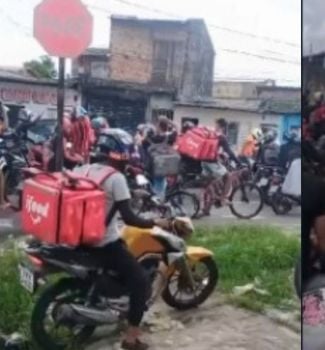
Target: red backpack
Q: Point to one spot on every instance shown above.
(65, 208)
(199, 143)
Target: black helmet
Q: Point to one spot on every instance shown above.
(270, 136)
(115, 144)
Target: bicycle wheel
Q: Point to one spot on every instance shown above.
(184, 203)
(246, 201)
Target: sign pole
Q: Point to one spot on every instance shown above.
(60, 103)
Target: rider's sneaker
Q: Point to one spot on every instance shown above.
(138, 345)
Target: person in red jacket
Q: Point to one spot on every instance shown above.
(71, 157)
(82, 133)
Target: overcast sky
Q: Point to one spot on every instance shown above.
(314, 26)
(270, 30)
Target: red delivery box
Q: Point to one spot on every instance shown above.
(199, 143)
(63, 209)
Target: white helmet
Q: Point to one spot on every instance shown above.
(257, 133)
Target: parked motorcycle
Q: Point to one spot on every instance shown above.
(268, 179)
(73, 305)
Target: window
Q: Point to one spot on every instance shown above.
(195, 121)
(169, 113)
(232, 133)
(164, 62)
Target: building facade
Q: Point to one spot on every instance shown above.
(38, 95)
(313, 70)
(162, 53)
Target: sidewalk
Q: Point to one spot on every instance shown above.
(213, 326)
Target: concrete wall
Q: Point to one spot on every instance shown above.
(246, 120)
(158, 101)
(90, 65)
(234, 90)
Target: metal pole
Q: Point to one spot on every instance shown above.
(60, 102)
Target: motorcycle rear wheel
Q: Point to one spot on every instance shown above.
(280, 204)
(213, 275)
(43, 305)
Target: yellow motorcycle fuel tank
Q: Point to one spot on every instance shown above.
(141, 241)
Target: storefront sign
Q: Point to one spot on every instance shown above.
(26, 94)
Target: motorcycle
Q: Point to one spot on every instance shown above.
(267, 178)
(13, 159)
(87, 297)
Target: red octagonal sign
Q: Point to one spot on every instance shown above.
(63, 27)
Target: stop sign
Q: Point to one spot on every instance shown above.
(63, 27)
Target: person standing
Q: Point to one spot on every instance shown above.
(165, 134)
(82, 133)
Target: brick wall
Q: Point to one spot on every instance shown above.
(190, 57)
(130, 54)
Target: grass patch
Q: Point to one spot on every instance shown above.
(15, 303)
(242, 253)
(246, 252)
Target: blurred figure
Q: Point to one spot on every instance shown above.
(4, 116)
(82, 133)
(251, 144)
(268, 153)
(187, 126)
(99, 125)
(165, 133)
(71, 157)
(291, 149)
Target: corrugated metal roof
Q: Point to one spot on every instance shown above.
(19, 75)
(254, 105)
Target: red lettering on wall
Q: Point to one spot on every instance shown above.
(27, 95)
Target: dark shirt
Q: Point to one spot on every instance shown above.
(313, 206)
(223, 143)
(289, 152)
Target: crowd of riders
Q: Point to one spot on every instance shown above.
(82, 132)
(117, 150)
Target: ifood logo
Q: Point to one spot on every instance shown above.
(37, 211)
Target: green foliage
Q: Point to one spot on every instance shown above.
(15, 302)
(44, 68)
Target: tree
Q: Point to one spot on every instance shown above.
(44, 67)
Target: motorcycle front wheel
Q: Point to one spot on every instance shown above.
(46, 332)
(179, 295)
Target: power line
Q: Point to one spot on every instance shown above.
(212, 25)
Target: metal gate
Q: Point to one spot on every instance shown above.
(120, 113)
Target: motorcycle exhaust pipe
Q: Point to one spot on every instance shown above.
(77, 314)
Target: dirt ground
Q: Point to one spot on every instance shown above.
(212, 326)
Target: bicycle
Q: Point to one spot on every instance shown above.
(248, 192)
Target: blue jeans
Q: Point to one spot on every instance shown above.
(159, 186)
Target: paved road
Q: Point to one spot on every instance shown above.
(10, 221)
(290, 222)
